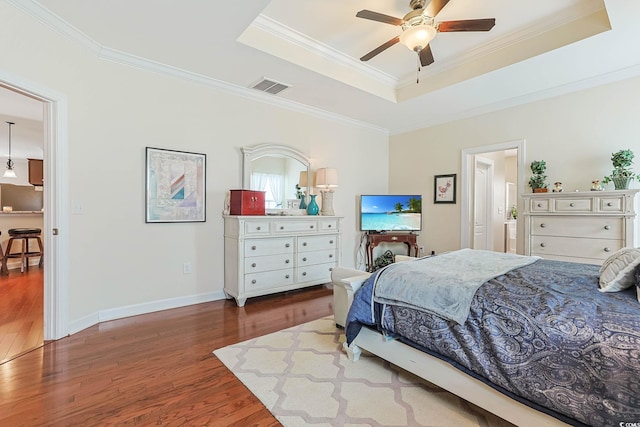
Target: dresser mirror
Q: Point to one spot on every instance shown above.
(275, 169)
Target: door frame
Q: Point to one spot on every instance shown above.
(55, 216)
(466, 225)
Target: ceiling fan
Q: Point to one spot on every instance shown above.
(419, 28)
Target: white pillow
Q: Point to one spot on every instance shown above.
(616, 273)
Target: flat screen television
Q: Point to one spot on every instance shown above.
(390, 212)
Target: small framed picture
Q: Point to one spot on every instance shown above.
(444, 188)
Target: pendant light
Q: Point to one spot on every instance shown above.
(9, 173)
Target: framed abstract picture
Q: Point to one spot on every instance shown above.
(175, 186)
(444, 188)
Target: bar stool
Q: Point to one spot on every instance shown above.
(24, 234)
(3, 268)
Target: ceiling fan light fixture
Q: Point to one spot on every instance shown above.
(418, 37)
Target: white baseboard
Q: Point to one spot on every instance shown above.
(143, 308)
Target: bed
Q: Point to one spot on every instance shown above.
(541, 343)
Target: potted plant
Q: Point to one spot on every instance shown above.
(537, 181)
(622, 174)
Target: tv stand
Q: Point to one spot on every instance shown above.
(374, 239)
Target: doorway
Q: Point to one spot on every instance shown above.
(54, 130)
(485, 217)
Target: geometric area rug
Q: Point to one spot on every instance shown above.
(304, 378)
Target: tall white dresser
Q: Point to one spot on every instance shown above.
(584, 227)
(269, 254)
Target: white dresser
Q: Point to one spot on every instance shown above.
(269, 254)
(583, 227)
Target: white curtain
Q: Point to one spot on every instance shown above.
(272, 185)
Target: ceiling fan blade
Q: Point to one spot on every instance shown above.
(380, 48)
(467, 25)
(375, 16)
(435, 6)
(426, 56)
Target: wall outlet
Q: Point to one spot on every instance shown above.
(187, 268)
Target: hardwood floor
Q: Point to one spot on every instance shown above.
(154, 369)
(21, 312)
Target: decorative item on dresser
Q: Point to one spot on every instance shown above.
(584, 227)
(269, 254)
(327, 179)
(537, 182)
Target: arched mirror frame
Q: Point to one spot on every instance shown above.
(255, 152)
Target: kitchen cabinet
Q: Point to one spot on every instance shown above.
(36, 173)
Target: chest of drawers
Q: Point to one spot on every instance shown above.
(269, 254)
(582, 227)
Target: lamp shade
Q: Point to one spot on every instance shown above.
(326, 178)
(417, 37)
(303, 180)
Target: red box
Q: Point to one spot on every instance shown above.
(246, 202)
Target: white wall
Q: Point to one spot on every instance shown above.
(575, 134)
(114, 112)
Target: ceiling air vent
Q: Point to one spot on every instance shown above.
(270, 86)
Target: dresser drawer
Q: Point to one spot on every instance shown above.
(328, 224)
(578, 226)
(295, 226)
(539, 205)
(256, 228)
(317, 243)
(574, 246)
(262, 247)
(612, 204)
(316, 257)
(315, 272)
(574, 205)
(268, 280)
(268, 263)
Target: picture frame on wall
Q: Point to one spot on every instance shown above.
(175, 189)
(444, 188)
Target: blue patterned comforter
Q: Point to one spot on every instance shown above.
(542, 334)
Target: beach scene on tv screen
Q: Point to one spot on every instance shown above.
(391, 212)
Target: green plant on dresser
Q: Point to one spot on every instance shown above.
(621, 175)
(537, 182)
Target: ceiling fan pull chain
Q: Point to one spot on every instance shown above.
(418, 72)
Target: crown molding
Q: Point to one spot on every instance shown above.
(41, 13)
(299, 39)
(584, 84)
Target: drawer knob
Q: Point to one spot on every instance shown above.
(286, 277)
(539, 205)
(253, 248)
(282, 227)
(253, 282)
(304, 243)
(304, 273)
(258, 228)
(609, 204)
(606, 227)
(542, 245)
(311, 226)
(330, 255)
(331, 242)
(329, 226)
(543, 225)
(287, 245)
(607, 249)
(253, 265)
(304, 259)
(286, 261)
(572, 204)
